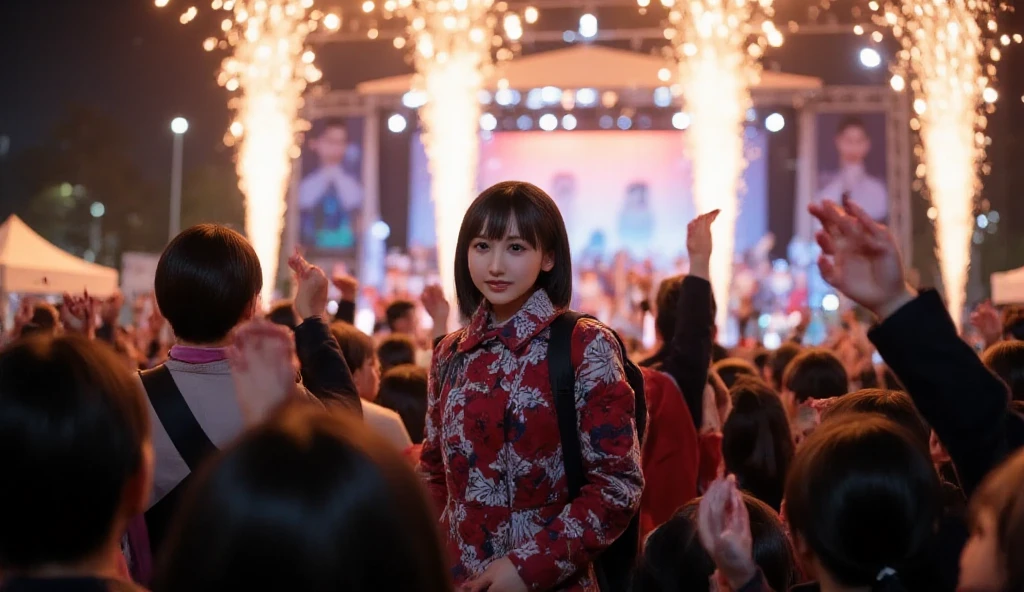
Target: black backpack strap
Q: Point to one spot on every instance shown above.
(563, 386)
(181, 426)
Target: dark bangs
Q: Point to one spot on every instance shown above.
(539, 223)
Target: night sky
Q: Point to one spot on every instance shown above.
(139, 64)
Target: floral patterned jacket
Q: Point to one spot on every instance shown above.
(492, 456)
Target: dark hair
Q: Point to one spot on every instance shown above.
(780, 359)
(396, 350)
(539, 223)
(396, 310)
(670, 291)
(761, 357)
(403, 389)
(283, 313)
(816, 373)
(315, 500)
(1006, 360)
(320, 126)
(206, 280)
(45, 316)
(757, 445)
(1013, 322)
(851, 121)
(864, 496)
(1000, 494)
(356, 346)
(731, 369)
(72, 429)
(895, 405)
(673, 559)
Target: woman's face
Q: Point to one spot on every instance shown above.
(506, 270)
(981, 561)
(367, 379)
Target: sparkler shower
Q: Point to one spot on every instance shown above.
(944, 47)
(717, 45)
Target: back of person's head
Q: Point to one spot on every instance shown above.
(1013, 322)
(76, 461)
(670, 291)
(862, 498)
(403, 389)
(779, 360)
(396, 350)
(732, 369)
(1006, 360)
(674, 560)
(356, 346)
(756, 442)
(46, 317)
(207, 281)
(815, 374)
(760, 359)
(400, 315)
(895, 405)
(991, 559)
(306, 502)
(283, 313)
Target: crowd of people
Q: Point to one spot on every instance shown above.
(215, 445)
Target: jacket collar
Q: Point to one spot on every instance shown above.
(536, 314)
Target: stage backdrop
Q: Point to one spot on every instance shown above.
(852, 159)
(618, 191)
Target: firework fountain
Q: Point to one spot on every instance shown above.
(717, 45)
(945, 44)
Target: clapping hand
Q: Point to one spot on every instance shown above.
(860, 258)
(724, 528)
(311, 296)
(264, 367)
(698, 244)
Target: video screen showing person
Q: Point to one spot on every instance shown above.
(851, 160)
(331, 195)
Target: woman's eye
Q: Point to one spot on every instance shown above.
(480, 246)
(516, 248)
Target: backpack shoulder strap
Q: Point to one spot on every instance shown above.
(177, 419)
(562, 374)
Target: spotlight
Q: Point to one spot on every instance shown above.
(506, 97)
(830, 303)
(534, 99)
(662, 96)
(775, 122)
(606, 122)
(397, 123)
(488, 122)
(569, 122)
(380, 230)
(624, 122)
(524, 122)
(551, 95)
(586, 97)
(414, 99)
(588, 26)
(681, 120)
(548, 122)
(870, 58)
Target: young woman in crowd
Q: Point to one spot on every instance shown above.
(492, 455)
(756, 442)
(991, 560)
(308, 501)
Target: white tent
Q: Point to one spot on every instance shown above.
(1008, 287)
(29, 264)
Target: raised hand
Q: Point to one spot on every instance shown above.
(79, 314)
(724, 528)
(860, 258)
(347, 285)
(698, 244)
(435, 303)
(986, 320)
(311, 296)
(264, 367)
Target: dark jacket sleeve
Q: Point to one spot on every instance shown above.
(688, 356)
(966, 405)
(324, 371)
(346, 312)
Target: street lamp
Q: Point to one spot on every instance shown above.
(179, 125)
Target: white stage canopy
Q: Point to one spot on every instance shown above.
(587, 66)
(1008, 287)
(29, 264)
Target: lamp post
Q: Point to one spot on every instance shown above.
(179, 125)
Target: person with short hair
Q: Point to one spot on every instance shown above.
(402, 318)
(77, 465)
(208, 282)
(1006, 360)
(403, 389)
(396, 350)
(330, 199)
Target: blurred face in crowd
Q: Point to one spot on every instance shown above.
(367, 379)
(853, 145)
(406, 325)
(506, 270)
(330, 146)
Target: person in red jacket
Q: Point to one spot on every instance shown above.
(492, 455)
